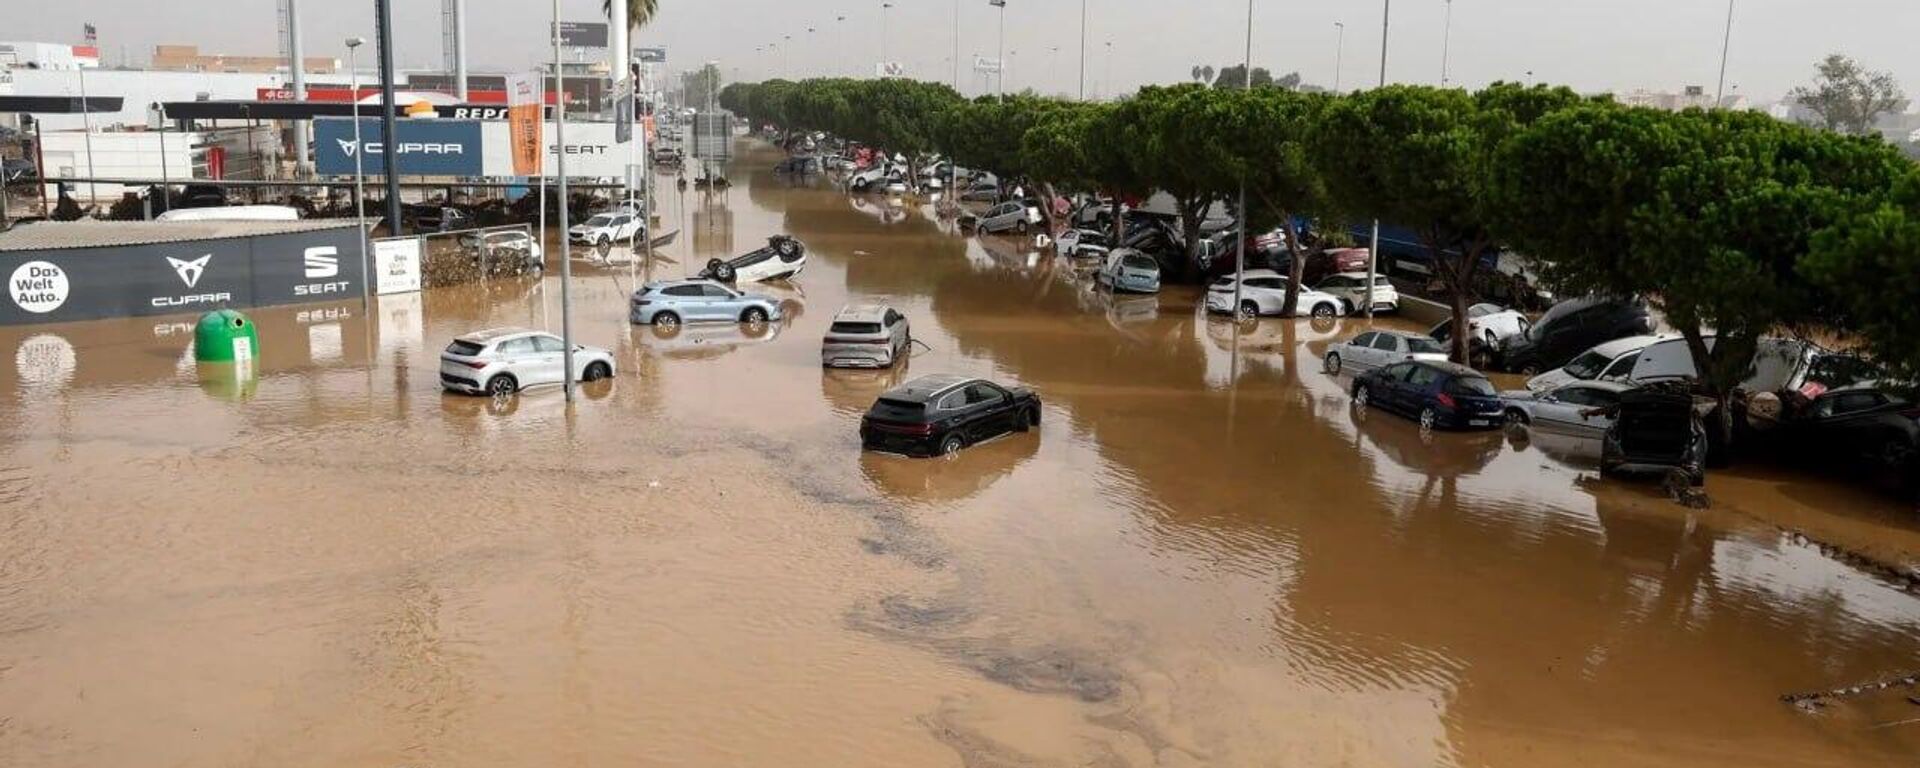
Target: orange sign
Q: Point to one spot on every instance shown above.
(524, 121)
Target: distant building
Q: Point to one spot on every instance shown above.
(1692, 97)
(188, 58)
(29, 55)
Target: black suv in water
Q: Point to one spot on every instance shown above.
(1572, 327)
(938, 415)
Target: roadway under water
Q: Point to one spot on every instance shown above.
(1203, 557)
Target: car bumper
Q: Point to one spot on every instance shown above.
(856, 357)
(905, 445)
(1136, 284)
(461, 383)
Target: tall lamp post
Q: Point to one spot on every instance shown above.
(1373, 246)
(560, 170)
(359, 169)
(1446, 45)
(883, 34)
(1083, 50)
(383, 17)
(1726, 44)
(1240, 253)
(1001, 76)
(1339, 50)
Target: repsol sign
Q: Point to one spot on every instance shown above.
(59, 285)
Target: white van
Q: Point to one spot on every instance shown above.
(1778, 364)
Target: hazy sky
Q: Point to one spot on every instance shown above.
(1590, 44)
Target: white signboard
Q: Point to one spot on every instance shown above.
(591, 151)
(396, 265)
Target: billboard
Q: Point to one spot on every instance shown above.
(188, 276)
(396, 265)
(582, 34)
(650, 55)
(426, 147)
(591, 151)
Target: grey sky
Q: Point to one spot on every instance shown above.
(1589, 44)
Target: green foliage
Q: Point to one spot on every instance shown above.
(1845, 97)
(1869, 261)
(987, 132)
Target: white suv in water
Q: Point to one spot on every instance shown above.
(505, 360)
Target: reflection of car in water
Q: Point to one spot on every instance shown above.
(705, 340)
(961, 477)
(1575, 449)
(851, 391)
(939, 415)
(781, 259)
(1425, 452)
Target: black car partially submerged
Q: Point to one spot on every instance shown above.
(938, 415)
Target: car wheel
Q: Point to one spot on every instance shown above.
(1428, 418)
(666, 320)
(502, 385)
(1249, 309)
(1361, 396)
(596, 372)
(1348, 306)
(724, 273)
(951, 445)
(753, 315)
(1021, 227)
(1518, 417)
(1333, 363)
(1324, 310)
(1029, 419)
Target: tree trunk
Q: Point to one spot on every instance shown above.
(1119, 224)
(1297, 269)
(1456, 274)
(1046, 208)
(1191, 211)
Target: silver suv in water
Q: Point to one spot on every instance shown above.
(502, 361)
(691, 301)
(866, 336)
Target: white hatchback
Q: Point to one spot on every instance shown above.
(1351, 288)
(502, 361)
(1373, 349)
(1264, 292)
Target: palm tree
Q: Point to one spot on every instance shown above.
(639, 12)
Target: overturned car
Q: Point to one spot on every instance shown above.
(781, 259)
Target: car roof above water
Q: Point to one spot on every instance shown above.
(657, 285)
(494, 334)
(926, 388)
(862, 313)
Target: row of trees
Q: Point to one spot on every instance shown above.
(1734, 224)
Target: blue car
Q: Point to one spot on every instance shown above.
(1439, 394)
(668, 304)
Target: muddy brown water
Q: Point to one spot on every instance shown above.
(1203, 557)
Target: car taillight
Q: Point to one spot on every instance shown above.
(476, 364)
(1445, 399)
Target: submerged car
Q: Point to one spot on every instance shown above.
(1130, 270)
(1609, 361)
(1571, 327)
(939, 415)
(503, 361)
(1437, 394)
(781, 259)
(1862, 427)
(1488, 324)
(1016, 216)
(1657, 428)
(1264, 292)
(691, 301)
(1373, 349)
(603, 229)
(1580, 405)
(866, 336)
(509, 250)
(1350, 288)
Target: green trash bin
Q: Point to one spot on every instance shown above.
(225, 336)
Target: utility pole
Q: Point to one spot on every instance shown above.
(1339, 50)
(383, 18)
(359, 174)
(299, 71)
(1240, 253)
(460, 49)
(560, 169)
(1726, 44)
(1083, 50)
(1001, 76)
(1446, 45)
(1373, 247)
(86, 124)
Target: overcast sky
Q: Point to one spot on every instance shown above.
(1592, 45)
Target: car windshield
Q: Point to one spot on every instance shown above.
(855, 328)
(601, 220)
(1421, 344)
(464, 348)
(1472, 385)
(1138, 261)
(1587, 365)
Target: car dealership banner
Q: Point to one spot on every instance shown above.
(426, 147)
(396, 265)
(189, 276)
(591, 151)
(524, 123)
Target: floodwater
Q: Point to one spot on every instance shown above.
(1203, 557)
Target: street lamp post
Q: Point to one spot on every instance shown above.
(1002, 55)
(1339, 50)
(560, 170)
(1240, 253)
(883, 34)
(1373, 246)
(1108, 77)
(359, 170)
(1726, 44)
(1446, 45)
(1083, 50)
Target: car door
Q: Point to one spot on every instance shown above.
(1414, 391)
(720, 303)
(550, 352)
(522, 360)
(1390, 381)
(1358, 353)
(1844, 424)
(1388, 348)
(951, 412)
(682, 299)
(896, 332)
(1560, 408)
(988, 407)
